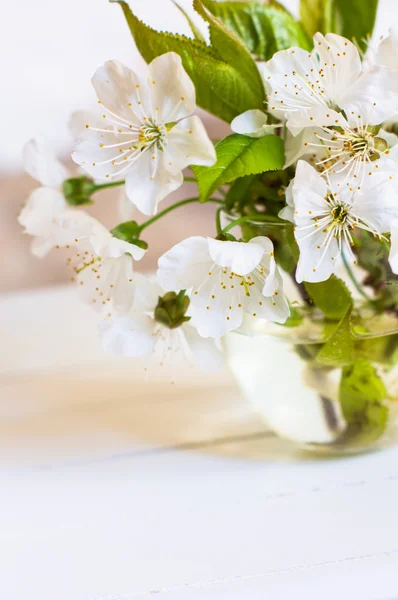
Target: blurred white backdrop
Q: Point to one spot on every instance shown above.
(50, 50)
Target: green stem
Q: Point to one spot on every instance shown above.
(171, 208)
(190, 180)
(218, 219)
(353, 278)
(255, 217)
(104, 186)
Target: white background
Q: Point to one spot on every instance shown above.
(49, 51)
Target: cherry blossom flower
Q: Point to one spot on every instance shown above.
(326, 212)
(145, 133)
(227, 279)
(312, 91)
(102, 264)
(138, 333)
(46, 202)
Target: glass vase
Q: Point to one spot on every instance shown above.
(336, 409)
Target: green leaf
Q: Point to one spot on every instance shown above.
(127, 231)
(362, 393)
(225, 76)
(265, 27)
(332, 297)
(197, 34)
(339, 349)
(354, 19)
(239, 156)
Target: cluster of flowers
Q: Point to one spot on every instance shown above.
(329, 106)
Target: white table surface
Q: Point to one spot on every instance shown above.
(115, 489)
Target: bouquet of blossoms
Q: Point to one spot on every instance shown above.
(305, 195)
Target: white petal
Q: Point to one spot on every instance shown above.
(126, 209)
(318, 115)
(146, 293)
(172, 89)
(108, 246)
(101, 153)
(120, 90)
(315, 263)
(272, 306)
(297, 146)
(185, 265)
(394, 247)
(253, 123)
(240, 257)
(308, 179)
(287, 213)
(205, 352)
(41, 164)
(217, 309)
(128, 336)
(42, 206)
(148, 182)
(372, 99)
(377, 201)
(340, 62)
(188, 144)
(386, 54)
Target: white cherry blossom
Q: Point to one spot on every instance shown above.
(144, 132)
(102, 264)
(312, 90)
(46, 202)
(326, 211)
(227, 279)
(138, 334)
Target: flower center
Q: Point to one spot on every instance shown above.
(339, 214)
(150, 133)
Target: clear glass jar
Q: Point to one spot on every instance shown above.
(321, 408)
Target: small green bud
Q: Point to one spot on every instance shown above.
(171, 308)
(226, 237)
(380, 145)
(129, 231)
(77, 190)
(374, 156)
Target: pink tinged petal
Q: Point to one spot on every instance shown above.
(186, 265)
(42, 206)
(148, 182)
(393, 259)
(122, 92)
(41, 164)
(172, 90)
(188, 144)
(340, 63)
(128, 336)
(204, 350)
(240, 257)
(253, 123)
(372, 99)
